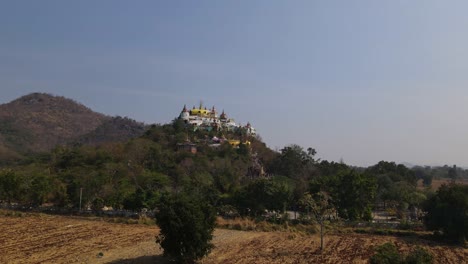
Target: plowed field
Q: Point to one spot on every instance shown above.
(54, 239)
(277, 247)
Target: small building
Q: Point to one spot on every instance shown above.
(187, 146)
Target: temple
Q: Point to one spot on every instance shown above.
(208, 119)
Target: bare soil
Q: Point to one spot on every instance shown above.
(38, 238)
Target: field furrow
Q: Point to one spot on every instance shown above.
(56, 239)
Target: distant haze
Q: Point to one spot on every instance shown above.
(361, 81)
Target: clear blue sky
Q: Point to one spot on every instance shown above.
(359, 80)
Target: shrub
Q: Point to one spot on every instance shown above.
(405, 225)
(419, 256)
(131, 221)
(187, 223)
(146, 220)
(386, 254)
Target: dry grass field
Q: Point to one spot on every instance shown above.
(38, 238)
(436, 183)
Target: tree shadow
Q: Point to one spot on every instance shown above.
(158, 259)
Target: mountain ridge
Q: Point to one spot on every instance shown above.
(38, 122)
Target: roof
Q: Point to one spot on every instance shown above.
(197, 111)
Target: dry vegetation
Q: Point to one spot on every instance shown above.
(436, 183)
(38, 238)
(40, 121)
(284, 247)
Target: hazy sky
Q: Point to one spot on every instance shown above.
(359, 80)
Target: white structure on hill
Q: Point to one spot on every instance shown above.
(208, 119)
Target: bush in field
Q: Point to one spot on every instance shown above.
(386, 254)
(419, 256)
(187, 223)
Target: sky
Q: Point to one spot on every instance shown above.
(359, 81)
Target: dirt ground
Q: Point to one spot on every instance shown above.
(39, 238)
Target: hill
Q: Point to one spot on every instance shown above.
(38, 122)
(115, 129)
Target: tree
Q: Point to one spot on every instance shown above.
(262, 194)
(10, 186)
(452, 173)
(395, 172)
(320, 206)
(447, 211)
(40, 189)
(424, 174)
(296, 163)
(292, 160)
(136, 201)
(405, 196)
(353, 193)
(187, 223)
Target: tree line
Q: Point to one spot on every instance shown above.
(143, 172)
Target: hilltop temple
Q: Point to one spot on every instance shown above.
(208, 119)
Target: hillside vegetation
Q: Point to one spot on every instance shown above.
(124, 165)
(38, 122)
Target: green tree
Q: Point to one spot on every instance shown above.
(296, 163)
(452, 173)
(10, 186)
(352, 193)
(424, 174)
(187, 223)
(97, 204)
(447, 211)
(292, 160)
(395, 172)
(40, 188)
(405, 196)
(262, 194)
(136, 201)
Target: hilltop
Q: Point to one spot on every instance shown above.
(38, 122)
